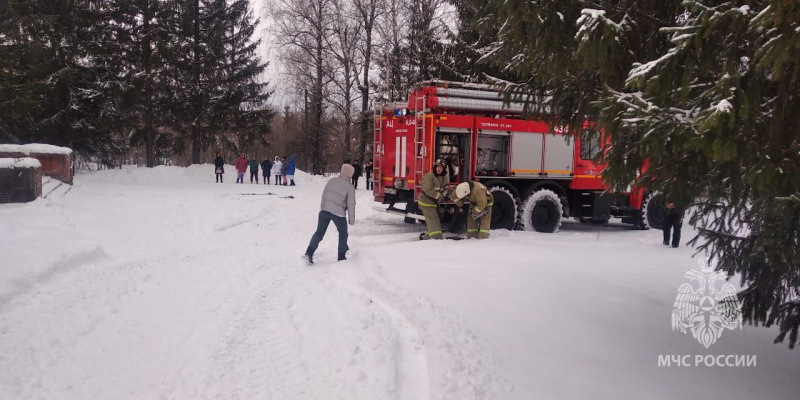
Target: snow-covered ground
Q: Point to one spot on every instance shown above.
(161, 284)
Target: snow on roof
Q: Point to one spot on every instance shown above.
(39, 148)
(25, 162)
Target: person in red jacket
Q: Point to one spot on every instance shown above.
(241, 167)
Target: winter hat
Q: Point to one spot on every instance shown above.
(348, 171)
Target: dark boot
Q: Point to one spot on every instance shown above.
(342, 257)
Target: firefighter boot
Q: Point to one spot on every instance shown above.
(479, 228)
(484, 225)
(433, 222)
(472, 228)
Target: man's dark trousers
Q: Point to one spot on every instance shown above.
(325, 218)
(673, 221)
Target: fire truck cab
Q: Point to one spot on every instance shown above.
(537, 175)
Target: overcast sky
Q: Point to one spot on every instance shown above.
(268, 53)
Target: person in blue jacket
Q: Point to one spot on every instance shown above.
(290, 167)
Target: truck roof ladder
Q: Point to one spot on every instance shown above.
(420, 109)
(377, 147)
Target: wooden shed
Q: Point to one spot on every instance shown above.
(56, 162)
(20, 180)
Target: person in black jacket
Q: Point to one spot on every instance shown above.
(673, 220)
(266, 166)
(219, 167)
(356, 174)
(367, 174)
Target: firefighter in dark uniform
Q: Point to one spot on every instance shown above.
(479, 220)
(434, 189)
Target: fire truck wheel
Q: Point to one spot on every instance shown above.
(542, 212)
(504, 211)
(653, 211)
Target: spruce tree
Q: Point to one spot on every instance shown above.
(137, 31)
(54, 88)
(704, 93)
(216, 91)
(242, 106)
(716, 112)
(461, 56)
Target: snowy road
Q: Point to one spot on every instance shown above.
(146, 284)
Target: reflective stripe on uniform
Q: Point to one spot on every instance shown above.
(471, 230)
(424, 204)
(491, 203)
(483, 230)
(434, 233)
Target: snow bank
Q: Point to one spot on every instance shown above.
(178, 175)
(24, 162)
(34, 148)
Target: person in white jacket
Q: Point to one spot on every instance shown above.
(276, 169)
(338, 199)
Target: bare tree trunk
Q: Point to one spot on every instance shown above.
(148, 90)
(316, 149)
(195, 130)
(344, 49)
(368, 14)
(303, 31)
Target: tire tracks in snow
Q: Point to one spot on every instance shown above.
(111, 312)
(411, 361)
(258, 357)
(459, 363)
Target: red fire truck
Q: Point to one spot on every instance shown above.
(537, 175)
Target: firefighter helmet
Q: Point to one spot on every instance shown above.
(440, 163)
(462, 190)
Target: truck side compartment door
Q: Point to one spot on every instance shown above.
(559, 152)
(526, 153)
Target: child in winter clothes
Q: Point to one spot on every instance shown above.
(219, 167)
(276, 170)
(253, 169)
(290, 167)
(368, 173)
(266, 165)
(356, 174)
(283, 170)
(241, 167)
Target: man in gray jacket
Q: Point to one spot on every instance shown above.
(338, 197)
